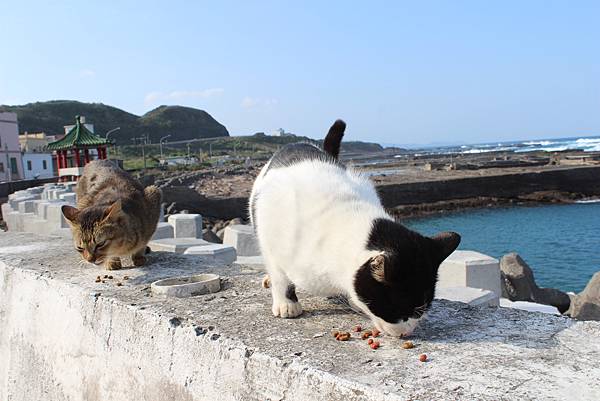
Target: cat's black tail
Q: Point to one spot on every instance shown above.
(333, 140)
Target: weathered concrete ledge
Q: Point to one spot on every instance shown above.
(65, 337)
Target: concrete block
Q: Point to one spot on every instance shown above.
(163, 230)
(250, 263)
(470, 269)
(11, 220)
(186, 225)
(33, 224)
(27, 206)
(215, 253)
(467, 295)
(68, 197)
(529, 306)
(54, 215)
(243, 239)
(36, 190)
(176, 245)
(14, 202)
(56, 193)
(6, 209)
(21, 217)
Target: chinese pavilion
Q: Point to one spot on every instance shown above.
(73, 150)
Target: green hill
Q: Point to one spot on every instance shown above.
(181, 123)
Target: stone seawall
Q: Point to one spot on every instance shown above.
(63, 336)
(584, 181)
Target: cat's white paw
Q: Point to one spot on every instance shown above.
(287, 309)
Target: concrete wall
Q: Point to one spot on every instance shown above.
(65, 337)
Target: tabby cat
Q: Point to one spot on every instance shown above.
(115, 216)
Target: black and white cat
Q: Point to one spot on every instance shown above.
(321, 227)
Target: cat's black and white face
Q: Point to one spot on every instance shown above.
(396, 287)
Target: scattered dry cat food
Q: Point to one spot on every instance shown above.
(110, 277)
(376, 333)
(423, 357)
(119, 284)
(335, 333)
(408, 345)
(98, 279)
(125, 277)
(370, 341)
(367, 334)
(374, 345)
(357, 329)
(106, 276)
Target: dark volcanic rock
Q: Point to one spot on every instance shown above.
(518, 284)
(586, 305)
(185, 198)
(210, 236)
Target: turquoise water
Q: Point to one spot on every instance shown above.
(561, 243)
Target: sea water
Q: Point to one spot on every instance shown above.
(561, 243)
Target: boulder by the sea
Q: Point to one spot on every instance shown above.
(586, 304)
(518, 284)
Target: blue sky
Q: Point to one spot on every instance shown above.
(397, 72)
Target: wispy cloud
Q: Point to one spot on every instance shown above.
(178, 96)
(255, 102)
(87, 73)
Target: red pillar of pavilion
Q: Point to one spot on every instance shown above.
(77, 161)
(86, 153)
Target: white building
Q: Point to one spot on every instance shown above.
(38, 165)
(281, 132)
(89, 126)
(11, 167)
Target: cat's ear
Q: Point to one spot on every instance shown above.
(70, 213)
(446, 242)
(377, 265)
(112, 211)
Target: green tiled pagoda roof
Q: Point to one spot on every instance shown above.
(78, 137)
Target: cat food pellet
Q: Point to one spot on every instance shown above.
(370, 341)
(103, 281)
(376, 333)
(366, 335)
(357, 329)
(98, 280)
(110, 277)
(335, 333)
(119, 284)
(125, 277)
(374, 345)
(408, 345)
(343, 336)
(106, 276)
(423, 358)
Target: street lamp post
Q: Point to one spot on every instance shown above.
(160, 142)
(108, 133)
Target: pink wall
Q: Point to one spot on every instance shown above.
(9, 143)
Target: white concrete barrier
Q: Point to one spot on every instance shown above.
(243, 239)
(186, 225)
(215, 253)
(470, 269)
(163, 230)
(467, 295)
(176, 245)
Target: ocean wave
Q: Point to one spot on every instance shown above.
(539, 143)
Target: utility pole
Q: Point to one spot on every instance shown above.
(188, 156)
(210, 150)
